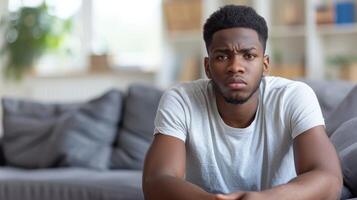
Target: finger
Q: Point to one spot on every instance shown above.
(223, 197)
(231, 196)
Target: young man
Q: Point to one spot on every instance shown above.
(240, 134)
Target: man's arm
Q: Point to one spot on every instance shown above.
(317, 166)
(318, 169)
(164, 172)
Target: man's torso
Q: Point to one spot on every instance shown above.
(222, 159)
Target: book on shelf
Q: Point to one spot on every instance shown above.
(182, 15)
(339, 12)
(345, 11)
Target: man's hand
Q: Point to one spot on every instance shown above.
(240, 196)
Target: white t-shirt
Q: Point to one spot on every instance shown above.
(223, 159)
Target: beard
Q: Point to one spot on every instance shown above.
(236, 101)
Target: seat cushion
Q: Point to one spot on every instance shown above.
(69, 184)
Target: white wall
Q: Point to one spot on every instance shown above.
(72, 88)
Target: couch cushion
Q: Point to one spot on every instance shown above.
(136, 134)
(345, 141)
(2, 157)
(348, 159)
(88, 133)
(345, 111)
(28, 132)
(345, 135)
(69, 184)
(329, 93)
(38, 135)
(345, 193)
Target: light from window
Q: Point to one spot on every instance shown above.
(130, 31)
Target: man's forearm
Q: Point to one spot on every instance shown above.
(313, 185)
(169, 187)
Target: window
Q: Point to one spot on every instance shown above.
(129, 31)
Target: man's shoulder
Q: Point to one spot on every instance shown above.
(282, 84)
(190, 87)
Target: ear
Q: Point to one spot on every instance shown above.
(266, 67)
(207, 68)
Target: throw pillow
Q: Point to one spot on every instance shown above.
(345, 141)
(29, 138)
(136, 133)
(346, 110)
(39, 135)
(88, 133)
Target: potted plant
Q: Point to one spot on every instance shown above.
(281, 68)
(29, 33)
(346, 64)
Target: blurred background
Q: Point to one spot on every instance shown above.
(71, 50)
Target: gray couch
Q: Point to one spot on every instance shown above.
(338, 101)
(59, 151)
(83, 151)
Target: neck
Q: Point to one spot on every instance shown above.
(238, 115)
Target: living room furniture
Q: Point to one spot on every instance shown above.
(47, 149)
(40, 162)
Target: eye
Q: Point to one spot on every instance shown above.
(249, 56)
(221, 57)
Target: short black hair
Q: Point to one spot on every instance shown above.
(235, 16)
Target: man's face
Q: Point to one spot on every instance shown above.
(236, 63)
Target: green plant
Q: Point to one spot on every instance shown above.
(277, 56)
(29, 33)
(341, 60)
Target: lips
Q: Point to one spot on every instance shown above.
(236, 83)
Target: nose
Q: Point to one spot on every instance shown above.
(236, 65)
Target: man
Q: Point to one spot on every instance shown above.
(240, 134)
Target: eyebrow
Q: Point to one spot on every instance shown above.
(225, 50)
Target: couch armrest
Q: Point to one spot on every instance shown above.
(2, 156)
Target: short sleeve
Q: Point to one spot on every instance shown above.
(303, 111)
(170, 117)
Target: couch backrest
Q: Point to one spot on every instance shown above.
(2, 157)
(329, 93)
(76, 134)
(136, 131)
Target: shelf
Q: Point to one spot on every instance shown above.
(337, 29)
(291, 71)
(239, 2)
(182, 36)
(293, 33)
(287, 31)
